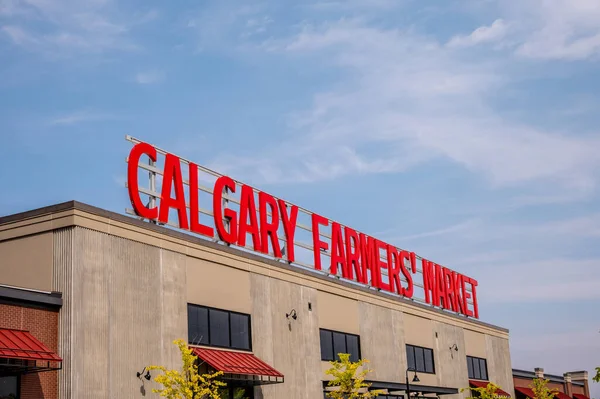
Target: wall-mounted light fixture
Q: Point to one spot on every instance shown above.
(292, 314)
(455, 347)
(146, 376)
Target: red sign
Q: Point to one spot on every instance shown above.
(353, 255)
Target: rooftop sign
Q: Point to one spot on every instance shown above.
(166, 189)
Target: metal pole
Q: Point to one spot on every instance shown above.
(407, 385)
(225, 203)
(152, 178)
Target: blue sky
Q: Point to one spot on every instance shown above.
(465, 131)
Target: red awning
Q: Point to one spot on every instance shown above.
(230, 362)
(562, 395)
(526, 391)
(484, 384)
(17, 344)
(579, 396)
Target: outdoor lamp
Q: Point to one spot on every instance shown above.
(415, 379)
(292, 314)
(147, 376)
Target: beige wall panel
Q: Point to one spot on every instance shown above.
(451, 365)
(291, 346)
(425, 379)
(90, 322)
(174, 304)
(27, 262)
(499, 363)
(419, 331)
(62, 282)
(382, 342)
(338, 313)
(475, 344)
(127, 304)
(219, 286)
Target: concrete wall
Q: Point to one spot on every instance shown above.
(499, 363)
(124, 304)
(291, 346)
(27, 262)
(451, 365)
(338, 313)
(382, 342)
(218, 286)
(475, 344)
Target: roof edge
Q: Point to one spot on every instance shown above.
(80, 206)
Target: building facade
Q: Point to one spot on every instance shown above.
(572, 384)
(107, 294)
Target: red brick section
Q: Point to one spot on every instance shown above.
(43, 324)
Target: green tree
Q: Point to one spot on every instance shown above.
(187, 383)
(597, 377)
(541, 390)
(490, 391)
(349, 383)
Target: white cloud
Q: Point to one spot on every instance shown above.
(58, 28)
(79, 117)
(484, 34)
(552, 280)
(557, 29)
(19, 36)
(149, 77)
(453, 229)
(530, 261)
(415, 100)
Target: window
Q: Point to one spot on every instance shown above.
(9, 387)
(420, 359)
(477, 368)
(334, 342)
(236, 393)
(221, 328)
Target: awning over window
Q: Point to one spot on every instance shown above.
(242, 367)
(21, 352)
(526, 391)
(579, 396)
(484, 384)
(562, 395)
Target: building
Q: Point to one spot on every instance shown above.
(108, 294)
(89, 298)
(570, 385)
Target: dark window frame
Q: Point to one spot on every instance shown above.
(345, 342)
(425, 350)
(478, 361)
(229, 313)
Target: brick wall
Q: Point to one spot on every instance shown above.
(43, 324)
(579, 389)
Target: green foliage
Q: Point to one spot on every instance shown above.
(541, 391)
(187, 383)
(348, 380)
(489, 392)
(238, 393)
(597, 377)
